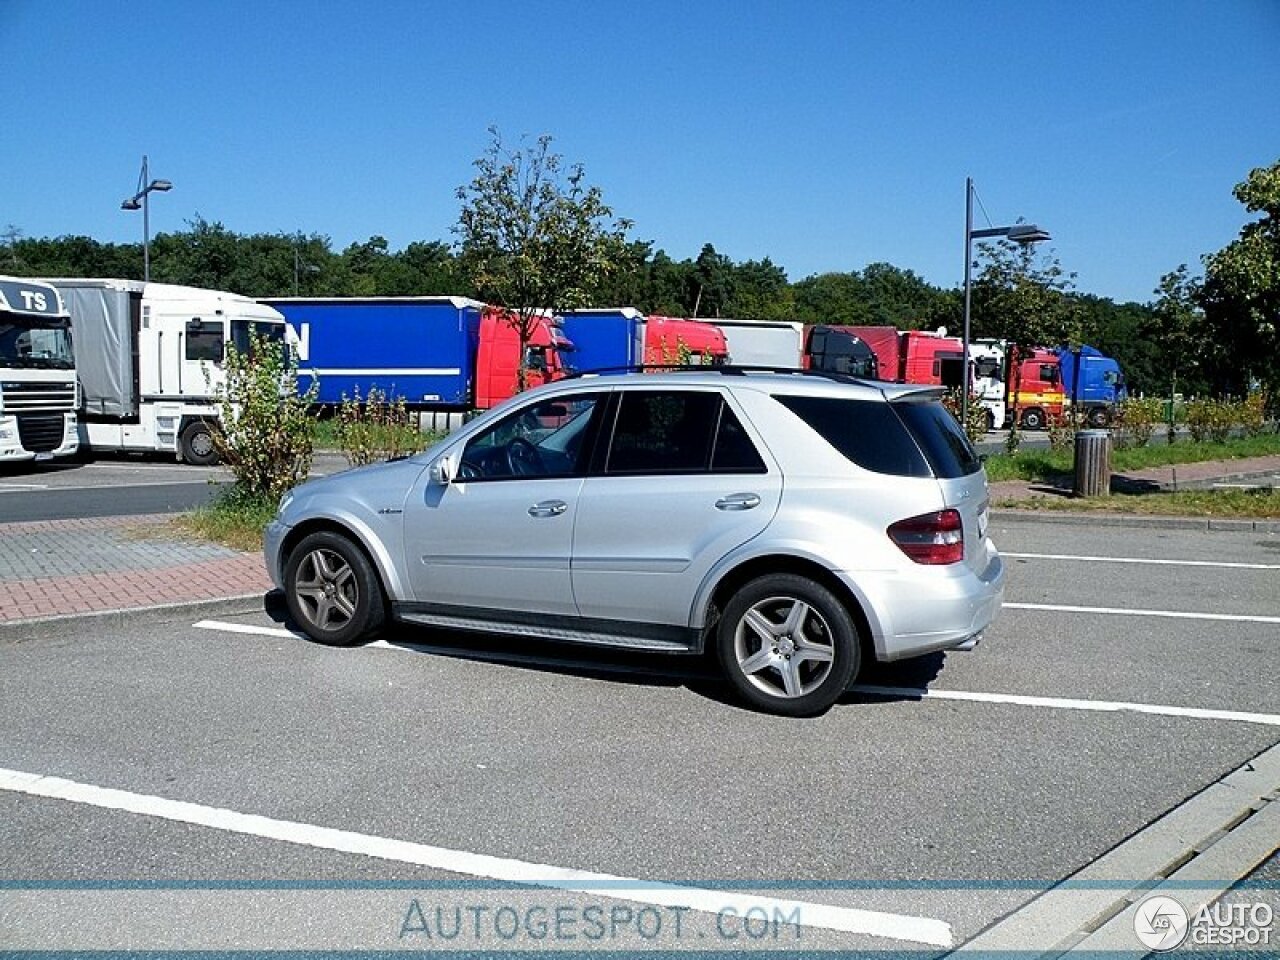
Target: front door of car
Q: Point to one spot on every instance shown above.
(499, 535)
(678, 482)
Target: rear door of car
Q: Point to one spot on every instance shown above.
(678, 480)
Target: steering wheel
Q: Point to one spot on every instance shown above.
(468, 470)
(523, 458)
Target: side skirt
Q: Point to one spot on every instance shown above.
(654, 638)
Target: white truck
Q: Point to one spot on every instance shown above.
(989, 359)
(763, 343)
(37, 373)
(150, 359)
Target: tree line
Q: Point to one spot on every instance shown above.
(1210, 335)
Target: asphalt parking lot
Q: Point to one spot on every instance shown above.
(333, 790)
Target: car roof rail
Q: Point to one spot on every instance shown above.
(724, 369)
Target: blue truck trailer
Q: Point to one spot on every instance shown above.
(420, 348)
(605, 338)
(1093, 383)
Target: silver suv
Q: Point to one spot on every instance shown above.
(800, 524)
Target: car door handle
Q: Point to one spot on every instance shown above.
(738, 501)
(548, 508)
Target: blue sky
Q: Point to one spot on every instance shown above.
(825, 135)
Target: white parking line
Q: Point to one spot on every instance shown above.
(19, 487)
(1131, 612)
(874, 923)
(914, 693)
(1061, 703)
(1143, 560)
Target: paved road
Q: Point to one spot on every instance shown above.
(122, 486)
(922, 797)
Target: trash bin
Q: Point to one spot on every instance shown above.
(1093, 463)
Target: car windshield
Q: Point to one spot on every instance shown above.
(24, 343)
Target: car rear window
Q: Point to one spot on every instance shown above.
(948, 450)
(905, 439)
(867, 432)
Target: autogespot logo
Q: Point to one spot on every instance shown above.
(1160, 923)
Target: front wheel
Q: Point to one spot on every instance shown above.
(197, 446)
(332, 590)
(1033, 419)
(1099, 417)
(788, 645)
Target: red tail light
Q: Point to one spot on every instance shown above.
(933, 538)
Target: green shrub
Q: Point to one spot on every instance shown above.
(265, 432)
(377, 428)
(1139, 416)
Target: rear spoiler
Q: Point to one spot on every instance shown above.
(923, 394)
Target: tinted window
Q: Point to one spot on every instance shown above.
(948, 450)
(663, 431)
(204, 342)
(734, 451)
(867, 432)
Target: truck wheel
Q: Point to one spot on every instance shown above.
(196, 444)
(1099, 417)
(991, 421)
(332, 590)
(787, 645)
(1033, 419)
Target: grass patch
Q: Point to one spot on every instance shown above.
(234, 519)
(1047, 464)
(1261, 504)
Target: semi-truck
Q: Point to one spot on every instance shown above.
(887, 353)
(1038, 381)
(37, 373)
(442, 354)
(150, 359)
(762, 343)
(611, 338)
(1093, 382)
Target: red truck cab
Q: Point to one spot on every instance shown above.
(667, 338)
(498, 356)
(1038, 382)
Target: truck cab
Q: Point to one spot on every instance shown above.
(1093, 382)
(838, 349)
(498, 356)
(675, 340)
(38, 392)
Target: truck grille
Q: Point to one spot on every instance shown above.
(39, 397)
(41, 432)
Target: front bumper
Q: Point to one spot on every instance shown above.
(272, 542)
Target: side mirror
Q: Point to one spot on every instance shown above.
(444, 470)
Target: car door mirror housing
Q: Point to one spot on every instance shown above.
(445, 470)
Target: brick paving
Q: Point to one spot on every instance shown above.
(60, 567)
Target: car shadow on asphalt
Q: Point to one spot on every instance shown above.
(698, 673)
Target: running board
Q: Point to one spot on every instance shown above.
(546, 631)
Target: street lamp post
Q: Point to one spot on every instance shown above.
(139, 201)
(1018, 233)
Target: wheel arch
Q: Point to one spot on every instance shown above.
(353, 532)
(734, 578)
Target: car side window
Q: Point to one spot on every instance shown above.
(546, 439)
(676, 432)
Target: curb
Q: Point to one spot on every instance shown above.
(44, 628)
(1207, 524)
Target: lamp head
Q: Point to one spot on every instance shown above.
(161, 185)
(131, 204)
(1028, 233)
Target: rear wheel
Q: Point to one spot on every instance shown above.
(332, 590)
(196, 444)
(1033, 419)
(788, 645)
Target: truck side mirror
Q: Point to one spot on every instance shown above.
(445, 470)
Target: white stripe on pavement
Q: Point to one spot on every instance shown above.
(920, 693)
(819, 915)
(1167, 563)
(1131, 612)
(1061, 703)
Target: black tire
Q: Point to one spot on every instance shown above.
(1099, 417)
(196, 444)
(809, 657)
(991, 421)
(332, 590)
(1033, 419)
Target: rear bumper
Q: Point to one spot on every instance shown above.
(931, 611)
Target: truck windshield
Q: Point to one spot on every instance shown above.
(241, 330)
(28, 343)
